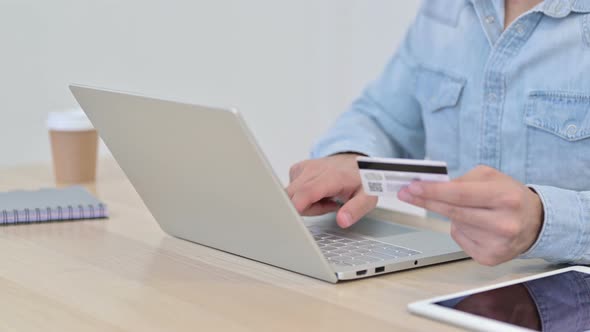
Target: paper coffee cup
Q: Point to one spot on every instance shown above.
(74, 146)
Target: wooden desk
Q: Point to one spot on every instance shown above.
(125, 274)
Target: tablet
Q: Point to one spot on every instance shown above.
(552, 301)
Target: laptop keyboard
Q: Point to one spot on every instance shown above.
(346, 249)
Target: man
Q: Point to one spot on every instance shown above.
(500, 90)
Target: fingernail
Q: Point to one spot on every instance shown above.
(346, 219)
(415, 188)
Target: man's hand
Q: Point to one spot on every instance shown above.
(316, 185)
(494, 217)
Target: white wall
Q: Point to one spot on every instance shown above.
(290, 66)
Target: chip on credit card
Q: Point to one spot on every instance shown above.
(386, 176)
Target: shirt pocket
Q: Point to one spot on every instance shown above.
(439, 96)
(558, 139)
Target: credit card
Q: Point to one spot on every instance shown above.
(386, 176)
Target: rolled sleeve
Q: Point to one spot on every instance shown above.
(565, 234)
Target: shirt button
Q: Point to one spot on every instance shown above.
(571, 130)
(490, 19)
(492, 97)
(519, 29)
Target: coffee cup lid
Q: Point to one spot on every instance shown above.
(71, 120)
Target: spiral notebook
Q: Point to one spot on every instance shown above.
(71, 203)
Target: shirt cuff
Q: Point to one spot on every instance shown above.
(564, 236)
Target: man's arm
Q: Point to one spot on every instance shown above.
(565, 234)
(385, 120)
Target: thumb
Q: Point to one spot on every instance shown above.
(356, 208)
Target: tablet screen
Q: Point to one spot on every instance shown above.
(559, 302)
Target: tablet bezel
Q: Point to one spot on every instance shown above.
(429, 309)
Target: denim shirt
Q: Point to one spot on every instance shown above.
(462, 89)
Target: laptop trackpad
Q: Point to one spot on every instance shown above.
(379, 229)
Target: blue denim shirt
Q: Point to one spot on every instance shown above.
(464, 90)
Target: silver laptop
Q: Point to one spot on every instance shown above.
(204, 179)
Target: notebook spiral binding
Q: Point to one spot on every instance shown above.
(53, 214)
